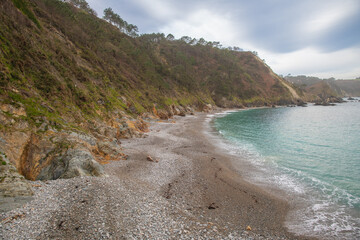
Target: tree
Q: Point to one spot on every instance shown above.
(115, 19)
(82, 4)
(152, 37)
(108, 15)
(186, 39)
(170, 37)
(238, 49)
(132, 30)
(202, 42)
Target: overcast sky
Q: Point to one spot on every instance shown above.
(310, 37)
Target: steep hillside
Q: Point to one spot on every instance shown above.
(72, 84)
(327, 87)
(349, 87)
(321, 89)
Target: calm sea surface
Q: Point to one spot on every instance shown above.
(311, 154)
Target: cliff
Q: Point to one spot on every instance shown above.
(72, 85)
(315, 88)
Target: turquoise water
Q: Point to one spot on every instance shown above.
(311, 153)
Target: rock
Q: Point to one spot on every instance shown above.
(172, 110)
(324, 103)
(301, 103)
(129, 128)
(208, 108)
(248, 228)
(12, 183)
(213, 206)
(12, 110)
(75, 162)
(162, 114)
(149, 158)
(190, 110)
(182, 111)
(13, 145)
(109, 150)
(83, 138)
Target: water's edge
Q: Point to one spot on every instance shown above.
(309, 214)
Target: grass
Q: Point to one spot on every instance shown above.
(22, 5)
(82, 66)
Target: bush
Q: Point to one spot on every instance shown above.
(23, 7)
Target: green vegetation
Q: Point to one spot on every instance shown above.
(78, 67)
(22, 5)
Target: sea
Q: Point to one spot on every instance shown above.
(310, 156)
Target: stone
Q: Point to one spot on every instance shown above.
(110, 150)
(12, 184)
(12, 110)
(75, 162)
(213, 206)
(149, 158)
(85, 138)
(208, 108)
(13, 145)
(162, 114)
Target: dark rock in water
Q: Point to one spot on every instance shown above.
(324, 104)
(301, 103)
(330, 101)
(75, 162)
(351, 99)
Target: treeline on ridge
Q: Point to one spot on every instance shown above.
(59, 60)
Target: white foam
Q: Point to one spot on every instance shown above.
(320, 213)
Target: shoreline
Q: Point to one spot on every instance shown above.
(192, 191)
(311, 213)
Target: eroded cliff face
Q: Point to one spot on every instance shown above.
(42, 152)
(72, 86)
(33, 149)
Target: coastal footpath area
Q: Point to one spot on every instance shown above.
(175, 184)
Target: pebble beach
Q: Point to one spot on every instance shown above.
(175, 184)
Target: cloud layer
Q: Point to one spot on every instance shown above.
(319, 38)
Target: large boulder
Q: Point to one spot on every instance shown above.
(207, 108)
(163, 114)
(15, 190)
(12, 184)
(74, 163)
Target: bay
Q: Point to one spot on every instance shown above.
(310, 153)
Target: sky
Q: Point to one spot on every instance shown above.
(299, 37)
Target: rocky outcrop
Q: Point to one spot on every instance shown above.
(11, 182)
(42, 152)
(173, 110)
(207, 108)
(108, 151)
(74, 163)
(329, 101)
(301, 103)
